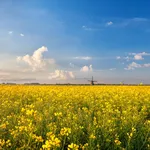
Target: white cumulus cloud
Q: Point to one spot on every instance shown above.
(147, 65)
(139, 56)
(83, 57)
(21, 34)
(86, 68)
(127, 58)
(134, 65)
(134, 56)
(109, 23)
(61, 75)
(36, 61)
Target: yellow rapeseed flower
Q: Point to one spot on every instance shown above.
(73, 146)
(92, 136)
(65, 131)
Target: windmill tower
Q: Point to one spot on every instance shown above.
(92, 81)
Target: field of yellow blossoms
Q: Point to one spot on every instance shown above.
(74, 117)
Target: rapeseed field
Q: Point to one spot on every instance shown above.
(74, 117)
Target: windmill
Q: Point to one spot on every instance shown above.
(92, 81)
(89, 80)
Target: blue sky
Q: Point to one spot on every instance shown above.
(59, 41)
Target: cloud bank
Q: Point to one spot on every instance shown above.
(61, 75)
(134, 65)
(36, 61)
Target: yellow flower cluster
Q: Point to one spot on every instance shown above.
(65, 131)
(92, 136)
(51, 142)
(73, 146)
(4, 144)
(74, 117)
